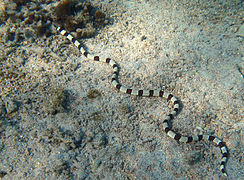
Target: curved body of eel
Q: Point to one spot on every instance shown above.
(153, 93)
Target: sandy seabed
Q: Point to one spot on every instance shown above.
(62, 119)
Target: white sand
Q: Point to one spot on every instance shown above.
(188, 47)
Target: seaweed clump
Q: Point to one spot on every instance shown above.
(79, 17)
(26, 13)
(64, 9)
(21, 2)
(92, 94)
(58, 101)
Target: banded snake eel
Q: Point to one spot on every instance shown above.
(153, 93)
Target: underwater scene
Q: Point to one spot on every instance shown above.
(121, 89)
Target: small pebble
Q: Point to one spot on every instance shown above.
(240, 32)
(2, 108)
(11, 106)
